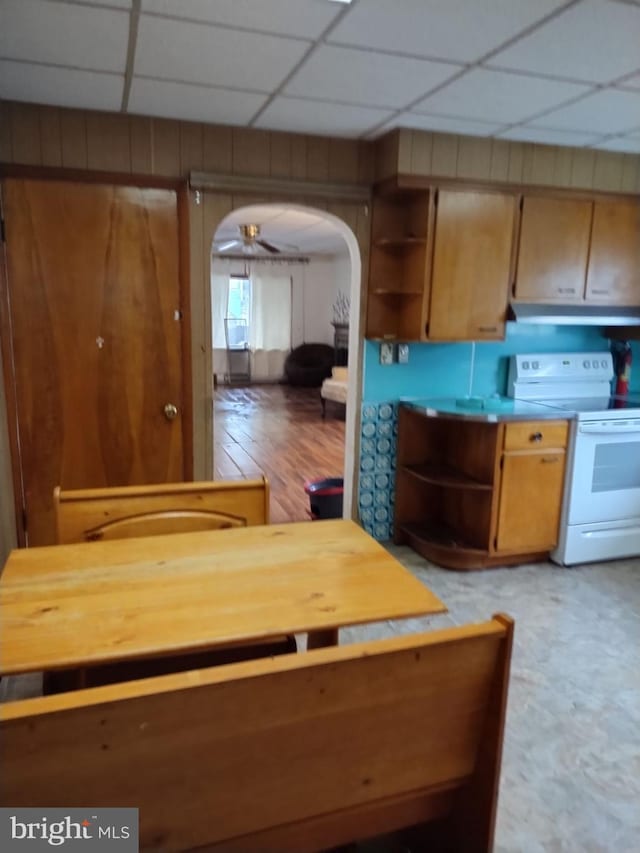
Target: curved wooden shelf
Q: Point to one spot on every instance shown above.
(444, 475)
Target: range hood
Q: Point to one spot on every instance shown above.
(574, 315)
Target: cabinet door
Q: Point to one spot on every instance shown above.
(614, 260)
(553, 250)
(471, 264)
(530, 501)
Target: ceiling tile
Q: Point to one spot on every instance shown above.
(64, 87)
(631, 82)
(596, 41)
(442, 124)
(305, 18)
(64, 34)
(349, 75)
(114, 4)
(496, 96)
(462, 30)
(194, 53)
(192, 103)
(321, 117)
(628, 144)
(549, 137)
(605, 111)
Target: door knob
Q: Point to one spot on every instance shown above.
(170, 411)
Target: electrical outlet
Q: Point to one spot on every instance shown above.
(403, 353)
(387, 353)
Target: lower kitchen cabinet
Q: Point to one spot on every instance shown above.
(473, 494)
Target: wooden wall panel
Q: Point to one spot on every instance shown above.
(50, 135)
(280, 165)
(165, 148)
(108, 143)
(427, 154)
(191, 147)
(217, 148)
(73, 136)
(474, 157)
(421, 153)
(298, 156)
(251, 151)
(6, 148)
(317, 158)
(25, 135)
(141, 131)
(343, 160)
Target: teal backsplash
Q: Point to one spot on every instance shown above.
(444, 370)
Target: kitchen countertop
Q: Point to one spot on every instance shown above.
(485, 409)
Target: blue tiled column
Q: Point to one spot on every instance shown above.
(376, 490)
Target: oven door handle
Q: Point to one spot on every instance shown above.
(625, 428)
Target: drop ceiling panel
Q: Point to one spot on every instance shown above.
(631, 82)
(305, 18)
(197, 53)
(64, 87)
(496, 96)
(115, 4)
(320, 117)
(606, 111)
(596, 41)
(192, 103)
(444, 124)
(349, 75)
(550, 137)
(455, 29)
(64, 34)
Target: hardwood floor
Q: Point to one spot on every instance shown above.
(277, 430)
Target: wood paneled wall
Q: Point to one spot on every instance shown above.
(82, 139)
(443, 155)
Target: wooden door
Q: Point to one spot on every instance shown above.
(614, 259)
(553, 250)
(93, 298)
(471, 264)
(530, 501)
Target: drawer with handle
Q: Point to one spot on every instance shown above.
(535, 435)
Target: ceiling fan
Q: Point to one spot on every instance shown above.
(247, 243)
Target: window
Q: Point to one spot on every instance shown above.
(238, 313)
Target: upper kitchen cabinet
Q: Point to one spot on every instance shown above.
(613, 275)
(553, 249)
(398, 266)
(471, 265)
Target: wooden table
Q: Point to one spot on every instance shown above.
(69, 606)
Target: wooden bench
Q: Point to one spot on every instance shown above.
(298, 753)
(115, 513)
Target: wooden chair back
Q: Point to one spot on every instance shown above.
(296, 753)
(121, 512)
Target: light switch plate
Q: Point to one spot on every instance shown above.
(387, 353)
(403, 353)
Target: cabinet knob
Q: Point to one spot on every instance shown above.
(547, 460)
(535, 436)
(487, 328)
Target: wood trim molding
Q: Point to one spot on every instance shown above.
(279, 186)
(85, 176)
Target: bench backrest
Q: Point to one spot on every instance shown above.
(296, 753)
(121, 512)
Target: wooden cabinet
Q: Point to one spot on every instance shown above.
(553, 249)
(531, 486)
(471, 265)
(579, 251)
(398, 267)
(613, 275)
(473, 494)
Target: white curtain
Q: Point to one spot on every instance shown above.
(270, 324)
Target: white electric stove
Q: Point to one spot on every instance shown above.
(601, 509)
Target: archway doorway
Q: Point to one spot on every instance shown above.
(291, 278)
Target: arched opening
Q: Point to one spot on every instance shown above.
(297, 232)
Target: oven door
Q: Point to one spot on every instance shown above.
(605, 481)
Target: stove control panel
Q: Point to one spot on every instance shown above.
(542, 375)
